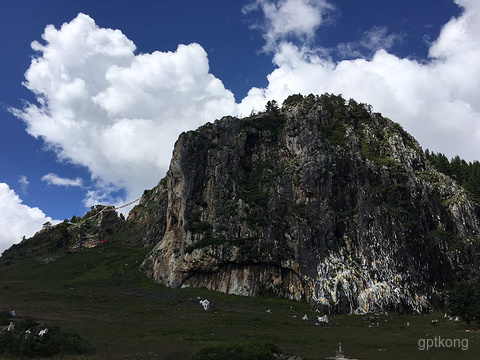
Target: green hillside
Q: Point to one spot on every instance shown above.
(102, 295)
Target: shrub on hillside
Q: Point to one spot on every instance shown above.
(246, 351)
(25, 341)
(464, 301)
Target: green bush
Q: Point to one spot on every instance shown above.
(260, 350)
(272, 121)
(18, 343)
(464, 301)
(200, 227)
(292, 100)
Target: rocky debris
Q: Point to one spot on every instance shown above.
(205, 304)
(323, 319)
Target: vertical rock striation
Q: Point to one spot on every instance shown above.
(322, 200)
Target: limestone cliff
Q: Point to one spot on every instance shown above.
(322, 200)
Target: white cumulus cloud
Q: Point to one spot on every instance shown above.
(101, 105)
(16, 219)
(117, 113)
(54, 179)
(436, 101)
(289, 18)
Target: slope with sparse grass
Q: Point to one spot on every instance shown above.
(101, 295)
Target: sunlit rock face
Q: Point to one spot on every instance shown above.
(321, 200)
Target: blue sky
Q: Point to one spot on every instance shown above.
(94, 93)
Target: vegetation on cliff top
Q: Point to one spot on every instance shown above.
(76, 287)
(466, 174)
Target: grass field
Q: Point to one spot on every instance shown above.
(102, 295)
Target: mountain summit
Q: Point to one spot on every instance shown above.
(321, 200)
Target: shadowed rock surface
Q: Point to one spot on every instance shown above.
(322, 200)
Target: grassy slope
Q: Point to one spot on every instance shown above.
(101, 294)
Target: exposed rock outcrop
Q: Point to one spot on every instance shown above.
(52, 242)
(322, 200)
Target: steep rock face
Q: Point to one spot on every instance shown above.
(322, 200)
(147, 221)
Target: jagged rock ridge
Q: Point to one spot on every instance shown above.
(322, 200)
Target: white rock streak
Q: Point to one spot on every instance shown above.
(368, 285)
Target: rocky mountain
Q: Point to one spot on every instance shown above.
(98, 225)
(321, 200)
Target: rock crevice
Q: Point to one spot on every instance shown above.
(322, 200)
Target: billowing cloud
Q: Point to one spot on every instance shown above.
(285, 19)
(54, 179)
(117, 113)
(436, 100)
(16, 219)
